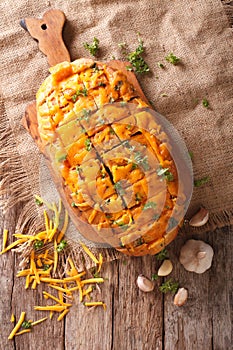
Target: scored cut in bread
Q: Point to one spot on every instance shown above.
(111, 160)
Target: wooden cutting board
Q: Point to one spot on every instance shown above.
(48, 32)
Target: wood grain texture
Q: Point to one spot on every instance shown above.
(133, 319)
(48, 32)
(205, 322)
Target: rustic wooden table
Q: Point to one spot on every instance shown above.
(133, 320)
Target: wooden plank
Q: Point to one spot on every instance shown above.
(221, 291)
(133, 319)
(7, 285)
(15, 299)
(205, 322)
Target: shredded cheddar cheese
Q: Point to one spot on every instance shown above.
(14, 244)
(42, 268)
(64, 228)
(23, 331)
(95, 303)
(91, 255)
(39, 321)
(74, 278)
(59, 301)
(55, 256)
(92, 280)
(63, 290)
(18, 325)
(100, 262)
(4, 241)
(56, 308)
(62, 315)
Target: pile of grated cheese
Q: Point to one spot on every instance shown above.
(42, 266)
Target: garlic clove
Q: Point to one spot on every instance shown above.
(200, 218)
(166, 268)
(144, 284)
(181, 297)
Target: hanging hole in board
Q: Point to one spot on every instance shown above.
(43, 26)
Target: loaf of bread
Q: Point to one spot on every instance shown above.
(110, 158)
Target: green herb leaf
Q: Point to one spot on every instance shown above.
(96, 274)
(85, 114)
(134, 166)
(38, 200)
(100, 83)
(122, 45)
(121, 224)
(136, 59)
(111, 131)
(26, 325)
(138, 197)
(46, 267)
(88, 144)
(162, 255)
(200, 182)
(117, 87)
(205, 103)
(139, 242)
(62, 158)
(80, 92)
(74, 98)
(165, 173)
(155, 217)
(38, 244)
(172, 223)
(129, 68)
(169, 286)
(161, 65)
(191, 155)
(92, 48)
(118, 188)
(154, 277)
(143, 161)
(149, 205)
(61, 246)
(171, 58)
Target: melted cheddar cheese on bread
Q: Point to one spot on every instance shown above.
(113, 160)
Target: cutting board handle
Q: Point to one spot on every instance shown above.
(48, 32)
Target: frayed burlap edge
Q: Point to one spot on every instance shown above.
(14, 184)
(228, 7)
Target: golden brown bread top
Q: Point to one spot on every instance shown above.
(113, 159)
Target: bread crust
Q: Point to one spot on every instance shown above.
(73, 140)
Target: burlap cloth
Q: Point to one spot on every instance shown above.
(199, 32)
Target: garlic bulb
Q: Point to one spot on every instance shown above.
(145, 284)
(196, 256)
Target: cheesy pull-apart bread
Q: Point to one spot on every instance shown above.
(111, 159)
